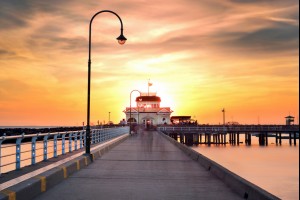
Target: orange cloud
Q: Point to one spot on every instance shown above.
(201, 56)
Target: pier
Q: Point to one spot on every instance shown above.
(147, 165)
(222, 135)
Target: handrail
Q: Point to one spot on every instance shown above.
(29, 149)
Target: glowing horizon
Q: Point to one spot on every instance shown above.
(201, 56)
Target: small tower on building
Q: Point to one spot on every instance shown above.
(289, 120)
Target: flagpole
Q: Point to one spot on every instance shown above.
(148, 86)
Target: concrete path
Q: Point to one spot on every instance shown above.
(145, 166)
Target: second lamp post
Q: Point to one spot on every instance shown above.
(130, 120)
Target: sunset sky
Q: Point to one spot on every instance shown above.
(201, 56)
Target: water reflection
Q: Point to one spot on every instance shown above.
(274, 168)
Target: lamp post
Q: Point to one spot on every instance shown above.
(223, 116)
(140, 99)
(130, 110)
(108, 118)
(121, 40)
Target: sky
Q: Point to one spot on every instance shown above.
(201, 56)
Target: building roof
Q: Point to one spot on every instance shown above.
(148, 98)
(149, 110)
(289, 116)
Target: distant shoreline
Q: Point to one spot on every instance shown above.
(18, 130)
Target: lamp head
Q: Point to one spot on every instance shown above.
(121, 39)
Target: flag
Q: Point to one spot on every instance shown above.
(149, 83)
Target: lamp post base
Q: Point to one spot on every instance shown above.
(90, 156)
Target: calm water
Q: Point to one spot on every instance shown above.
(273, 168)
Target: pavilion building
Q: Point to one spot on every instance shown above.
(148, 111)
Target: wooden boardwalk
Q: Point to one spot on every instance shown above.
(144, 166)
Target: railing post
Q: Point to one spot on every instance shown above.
(101, 132)
(18, 152)
(63, 140)
(55, 146)
(75, 140)
(92, 136)
(95, 135)
(84, 138)
(80, 140)
(33, 149)
(45, 147)
(1, 140)
(98, 136)
(70, 142)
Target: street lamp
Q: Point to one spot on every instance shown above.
(121, 40)
(140, 99)
(130, 109)
(108, 118)
(223, 116)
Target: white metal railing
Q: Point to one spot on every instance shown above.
(28, 149)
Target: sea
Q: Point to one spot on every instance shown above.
(275, 168)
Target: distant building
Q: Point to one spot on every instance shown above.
(180, 119)
(183, 120)
(148, 111)
(289, 120)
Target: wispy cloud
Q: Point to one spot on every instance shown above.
(210, 53)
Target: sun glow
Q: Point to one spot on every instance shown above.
(214, 56)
